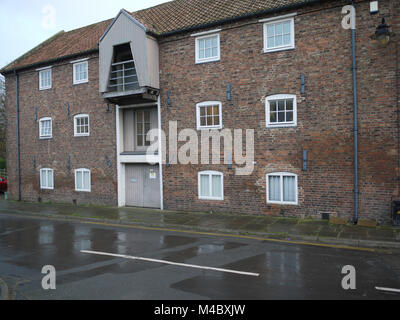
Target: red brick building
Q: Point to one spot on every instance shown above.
(84, 101)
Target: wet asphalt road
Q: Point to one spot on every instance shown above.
(287, 271)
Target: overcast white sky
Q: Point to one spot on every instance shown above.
(26, 23)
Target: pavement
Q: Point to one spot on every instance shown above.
(278, 229)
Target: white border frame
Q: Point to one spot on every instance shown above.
(82, 115)
(210, 173)
(207, 104)
(269, 124)
(283, 174)
(212, 59)
(41, 71)
(40, 128)
(281, 19)
(90, 180)
(74, 81)
(47, 176)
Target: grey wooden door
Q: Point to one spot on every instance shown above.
(142, 185)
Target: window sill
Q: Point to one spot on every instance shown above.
(279, 49)
(43, 188)
(209, 128)
(45, 138)
(211, 199)
(81, 135)
(207, 61)
(281, 126)
(43, 89)
(283, 203)
(80, 82)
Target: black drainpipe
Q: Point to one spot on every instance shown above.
(18, 137)
(355, 127)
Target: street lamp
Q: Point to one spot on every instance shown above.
(382, 33)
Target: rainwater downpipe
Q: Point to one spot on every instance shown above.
(355, 115)
(18, 135)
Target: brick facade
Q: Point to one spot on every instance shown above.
(324, 125)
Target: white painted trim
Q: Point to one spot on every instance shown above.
(205, 104)
(40, 128)
(80, 60)
(293, 123)
(40, 78)
(47, 170)
(290, 46)
(205, 60)
(210, 174)
(143, 158)
(75, 125)
(290, 15)
(282, 174)
(90, 181)
(74, 81)
(205, 32)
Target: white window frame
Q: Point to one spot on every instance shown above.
(41, 72)
(281, 175)
(47, 179)
(210, 174)
(208, 104)
(197, 47)
(276, 20)
(41, 120)
(90, 183)
(280, 124)
(76, 134)
(74, 65)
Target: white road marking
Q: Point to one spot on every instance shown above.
(171, 263)
(388, 289)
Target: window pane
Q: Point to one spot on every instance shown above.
(289, 116)
(216, 110)
(79, 180)
(278, 29)
(86, 179)
(273, 105)
(289, 189)
(289, 104)
(204, 185)
(286, 27)
(281, 116)
(209, 120)
(202, 111)
(286, 39)
(214, 52)
(216, 121)
(281, 105)
(43, 179)
(208, 53)
(270, 30)
(274, 188)
(50, 178)
(273, 117)
(215, 42)
(216, 186)
(271, 42)
(201, 44)
(203, 121)
(278, 40)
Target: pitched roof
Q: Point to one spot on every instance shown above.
(165, 18)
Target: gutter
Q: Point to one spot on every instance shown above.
(18, 135)
(46, 62)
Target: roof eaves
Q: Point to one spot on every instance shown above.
(8, 66)
(238, 18)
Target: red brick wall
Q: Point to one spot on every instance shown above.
(325, 118)
(84, 152)
(325, 114)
